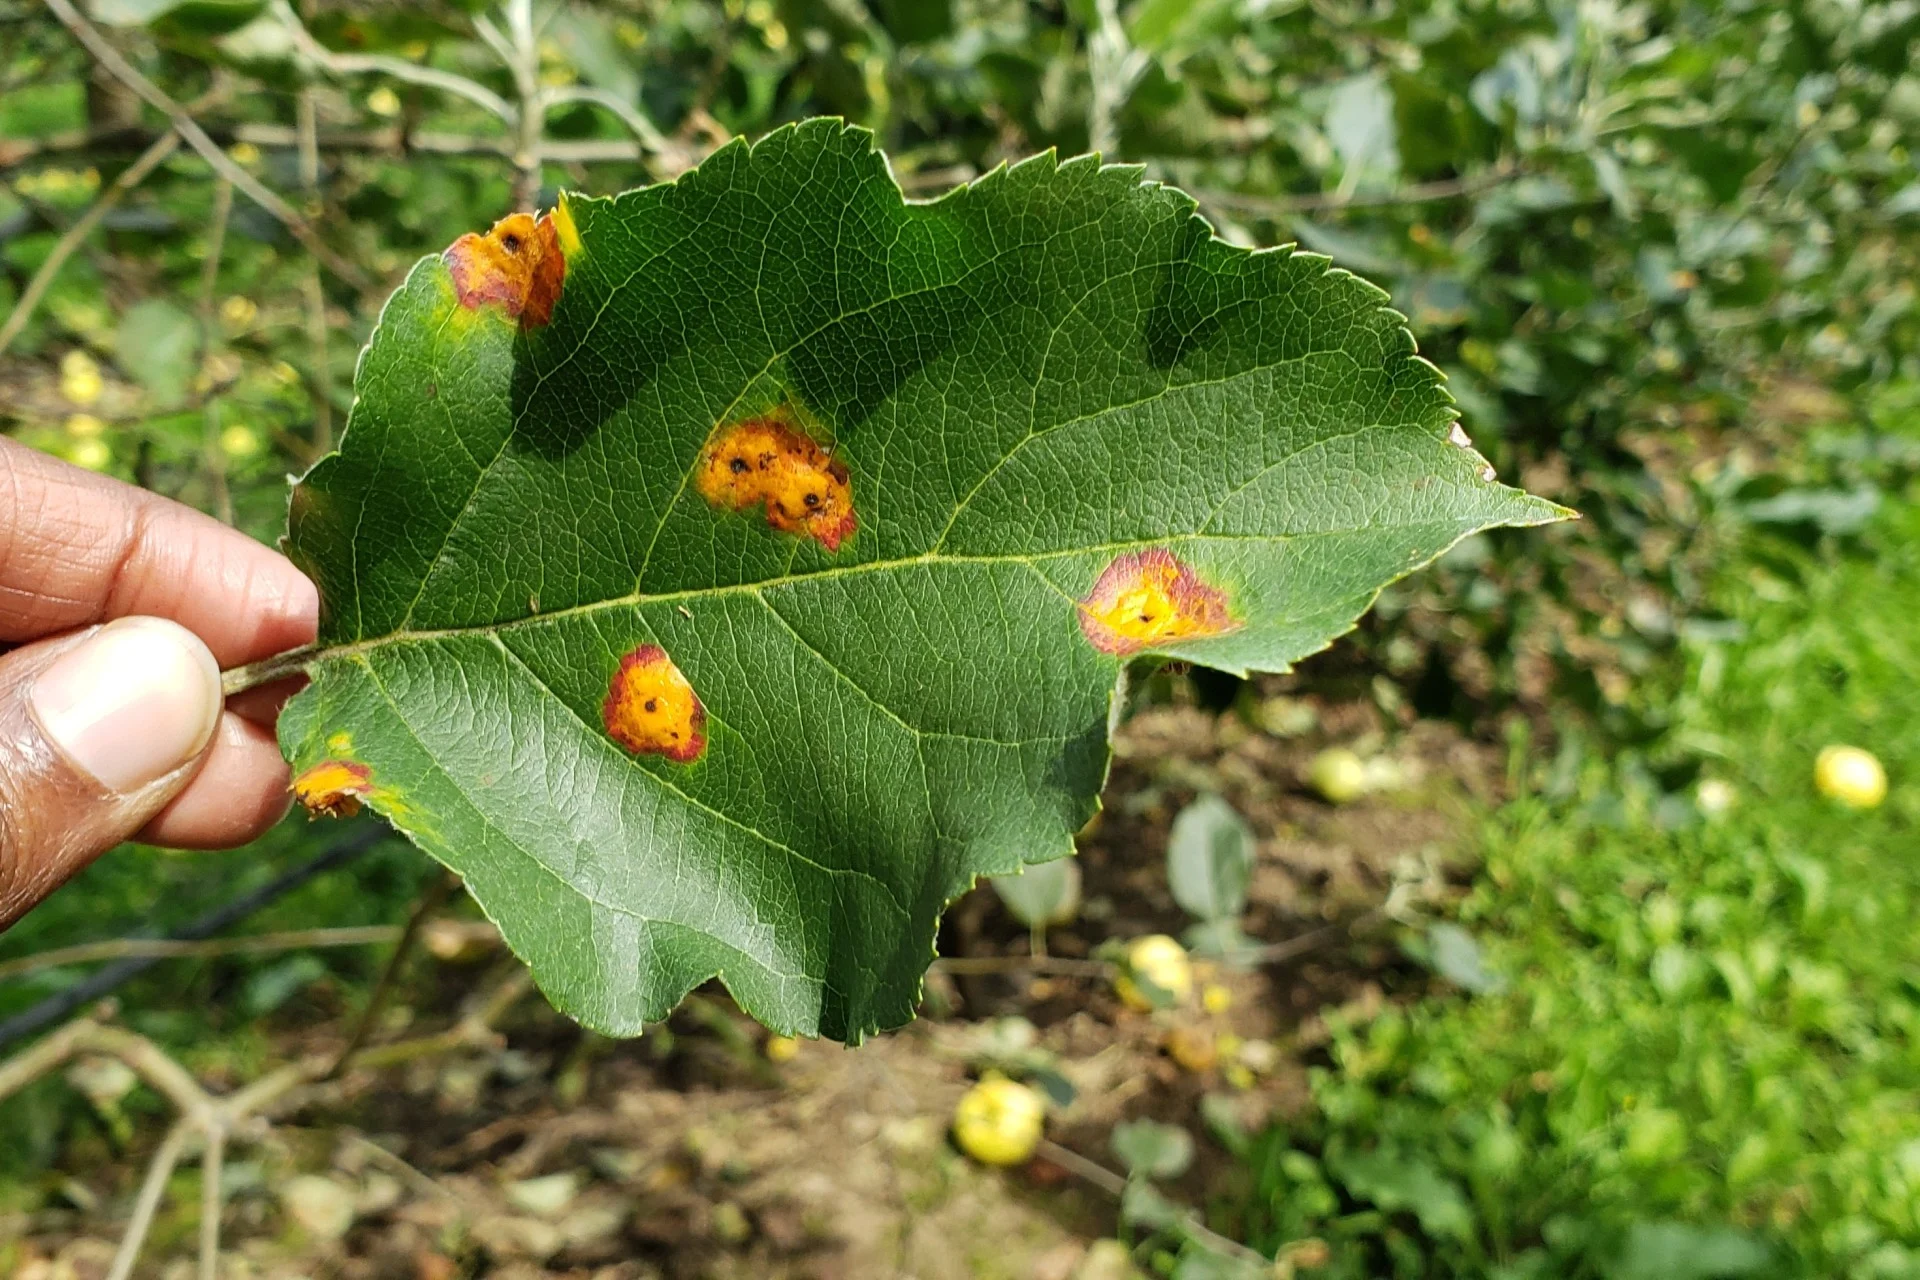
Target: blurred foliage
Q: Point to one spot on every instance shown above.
(1704, 1059)
(1637, 236)
(217, 1014)
(1659, 248)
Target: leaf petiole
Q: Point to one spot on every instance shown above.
(252, 675)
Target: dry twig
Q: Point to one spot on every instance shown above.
(130, 177)
(394, 138)
(168, 948)
(196, 137)
(241, 1114)
(430, 901)
(320, 376)
(1114, 1185)
(400, 69)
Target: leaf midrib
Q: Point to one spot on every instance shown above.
(354, 648)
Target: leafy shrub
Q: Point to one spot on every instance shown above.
(1705, 1059)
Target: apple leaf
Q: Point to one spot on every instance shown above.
(722, 576)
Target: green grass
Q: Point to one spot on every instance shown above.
(1705, 1061)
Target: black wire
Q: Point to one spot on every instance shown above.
(57, 1006)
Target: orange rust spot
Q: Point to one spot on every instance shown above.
(652, 710)
(1148, 598)
(806, 489)
(518, 264)
(333, 788)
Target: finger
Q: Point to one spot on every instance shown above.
(239, 791)
(98, 732)
(77, 548)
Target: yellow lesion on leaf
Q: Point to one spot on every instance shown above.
(518, 266)
(334, 788)
(1145, 599)
(768, 459)
(564, 228)
(650, 708)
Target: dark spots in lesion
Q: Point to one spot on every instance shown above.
(650, 709)
(1148, 598)
(767, 461)
(517, 265)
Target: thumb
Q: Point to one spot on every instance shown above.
(98, 731)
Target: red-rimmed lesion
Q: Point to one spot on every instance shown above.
(333, 788)
(518, 266)
(1148, 599)
(651, 709)
(770, 460)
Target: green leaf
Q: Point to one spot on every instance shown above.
(1396, 1183)
(1047, 893)
(1041, 389)
(1209, 860)
(1456, 957)
(1680, 1251)
(1150, 1149)
(156, 343)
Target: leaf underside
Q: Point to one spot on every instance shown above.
(1050, 369)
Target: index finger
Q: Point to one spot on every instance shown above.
(78, 548)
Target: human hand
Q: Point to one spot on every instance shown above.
(124, 607)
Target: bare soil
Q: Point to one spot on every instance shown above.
(694, 1152)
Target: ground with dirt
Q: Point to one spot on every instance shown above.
(703, 1150)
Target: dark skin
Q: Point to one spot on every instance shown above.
(78, 550)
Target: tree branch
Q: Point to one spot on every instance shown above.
(522, 54)
(196, 137)
(1417, 193)
(239, 1113)
(320, 374)
(130, 177)
(1115, 67)
(211, 1200)
(169, 949)
(630, 115)
(150, 1192)
(399, 68)
(15, 152)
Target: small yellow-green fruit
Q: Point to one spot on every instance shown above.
(782, 1048)
(238, 441)
(1715, 796)
(80, 380)
(1851, 776)
(1194, 1048)
(1160, 962)
(1338, 775)
(239, 312)
(384, 102)
(91, 453)
(999, 1122)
